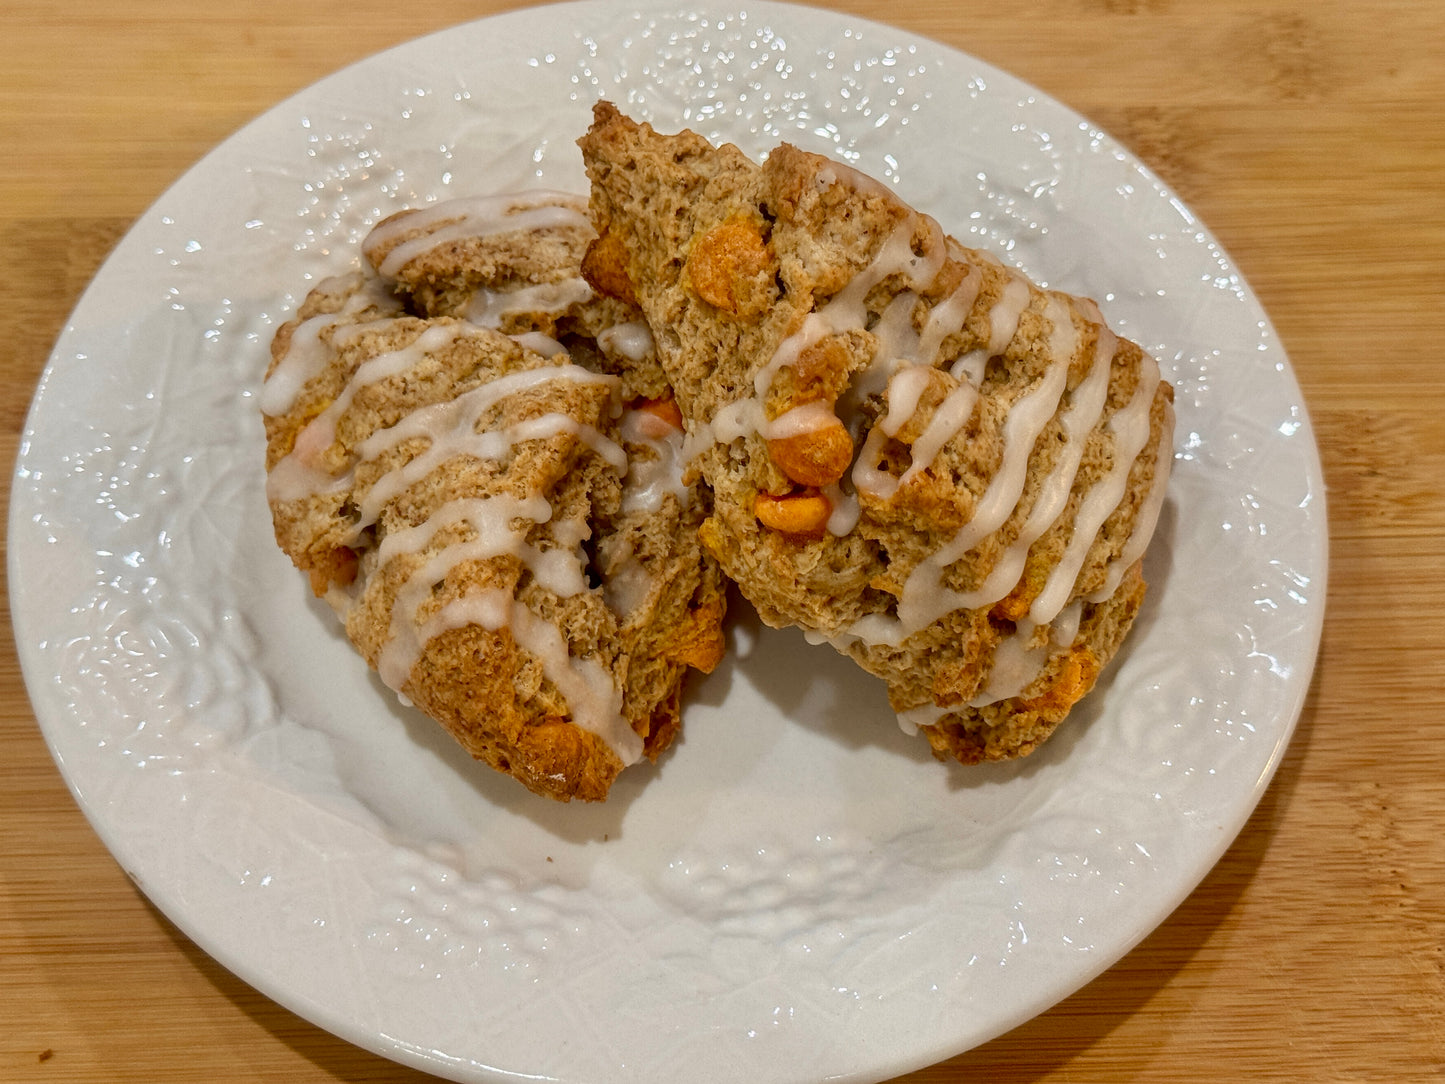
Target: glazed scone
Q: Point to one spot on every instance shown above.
(513, 262)
(916, 454)
(507, 538)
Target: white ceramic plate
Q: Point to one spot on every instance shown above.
(797, 891)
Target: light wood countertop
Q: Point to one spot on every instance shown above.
(1309, 137)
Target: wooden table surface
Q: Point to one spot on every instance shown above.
(1310, 137)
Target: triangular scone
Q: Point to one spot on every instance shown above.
(507, 540)
(915, 453)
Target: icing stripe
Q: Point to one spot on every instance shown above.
(480, 216)
(1130, 430)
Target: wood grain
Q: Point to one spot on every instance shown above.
(1310, 138)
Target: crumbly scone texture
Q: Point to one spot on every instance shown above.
(500, 522)
(461, 258)
(915, 452)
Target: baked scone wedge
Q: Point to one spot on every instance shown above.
(915, 453)
(506, 537)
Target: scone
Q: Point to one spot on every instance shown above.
(497, 513)
(916, 454)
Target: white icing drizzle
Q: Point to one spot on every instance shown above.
(902, 370)
(846, 510)
(1005, 315)
(1129, 428)
(492, 531)
(898, 346)
(911, 376)
(905, 389)
(627, 586)
(320, 433)
(489, 307)
(925, 599)
(812, 417)
(1021, 658)
(1017, 661)
(650, 480)
(1147, 517)
(747, 415)
(306, 355)
(897, 343)
(735, 420)
(451, 429)
(479, 216)
(539, 343)
(868, 476)
(484, 216)
(846, 310)
(492, 523)
(831, 173)
(1065, 627)
(951, 416)
(591, 691)
(632, 340)
(497, 526)
(1086, 406)
(924, 715)
(947, 317)
(1003, 319)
